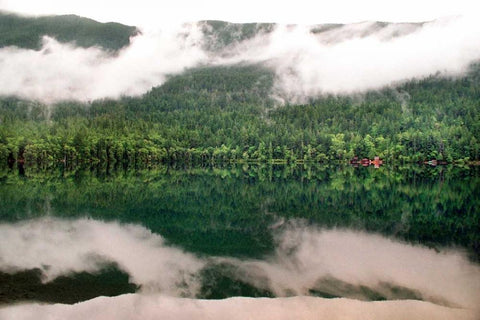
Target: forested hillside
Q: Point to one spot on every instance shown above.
(218, 114)
(219, 35)
(27, 32)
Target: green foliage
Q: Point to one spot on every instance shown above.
(27, 32)
(219, 34)
(226, 114)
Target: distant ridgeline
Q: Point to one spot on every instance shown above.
(27, 32)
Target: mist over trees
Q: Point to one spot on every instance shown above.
(52, 59)
(230, 109)
(227, 114)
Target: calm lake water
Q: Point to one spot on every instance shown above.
(256, 231)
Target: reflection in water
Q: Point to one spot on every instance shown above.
(354, 233)
(30, 285)
(339, 263)
(141, 307)
(229, 211)
(60, 247)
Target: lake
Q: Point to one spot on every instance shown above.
(328, 237)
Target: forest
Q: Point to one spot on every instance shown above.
(231, 113)
(27, 32)
(228, 114)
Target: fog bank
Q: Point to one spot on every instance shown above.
(307, 60)
(359, 57)
(64, 72)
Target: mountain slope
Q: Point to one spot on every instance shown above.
(226, 114)
(228, 104)
(27, 32)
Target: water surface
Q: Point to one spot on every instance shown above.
(253, 231)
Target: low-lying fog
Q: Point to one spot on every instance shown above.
(346, 59)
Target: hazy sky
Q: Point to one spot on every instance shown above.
(150, 12)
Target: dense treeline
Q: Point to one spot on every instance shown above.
(219, 114)
(27, 32)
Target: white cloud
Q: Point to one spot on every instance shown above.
(337, 62)
(62, 72)
(351, 58)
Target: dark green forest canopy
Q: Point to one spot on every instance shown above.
(228, 113)
(27, 32)
(372, 29)
(220, 34)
